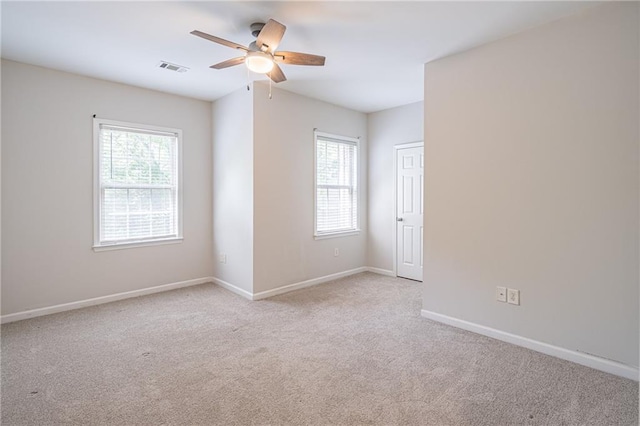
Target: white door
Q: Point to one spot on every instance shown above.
(409, 208)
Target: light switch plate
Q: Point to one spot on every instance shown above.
(501, 294)
(513, 296)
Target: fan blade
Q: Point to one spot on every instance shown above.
(219, 40)
(228, 63)
(296, 58)
(270, 35)
(276, 74)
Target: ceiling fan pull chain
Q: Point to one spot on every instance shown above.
(248, 80)
(270, 85)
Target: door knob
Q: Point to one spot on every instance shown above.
(399, 219)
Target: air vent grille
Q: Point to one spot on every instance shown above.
(172, 67)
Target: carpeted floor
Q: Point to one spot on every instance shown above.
(354, 351)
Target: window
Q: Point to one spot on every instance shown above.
(137, 177)
(336, 185)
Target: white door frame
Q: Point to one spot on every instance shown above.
(396, 148)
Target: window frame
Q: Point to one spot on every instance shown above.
(339, 139)
(97, 187)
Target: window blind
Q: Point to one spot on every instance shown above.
(336, 185)
(138, 184)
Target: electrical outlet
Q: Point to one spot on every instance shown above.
(513, 296)
(501, 294)
(336, 252)
(223, 258)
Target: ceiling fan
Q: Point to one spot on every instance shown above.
(261, 55)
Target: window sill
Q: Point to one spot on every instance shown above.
(134, 244)
(336, 234)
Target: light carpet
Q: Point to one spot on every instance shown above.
(353, 351)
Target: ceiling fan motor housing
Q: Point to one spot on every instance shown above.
(253, 47)
(256, 27)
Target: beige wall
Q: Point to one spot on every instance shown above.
(233, 188)
(385, 130)
(47, 189)
(237, 174)
(285, 251)
(532, 182)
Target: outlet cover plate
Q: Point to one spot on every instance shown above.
(501, 294)
(513, 296)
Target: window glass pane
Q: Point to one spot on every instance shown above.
(161, 224)
(335, 209)
(137, 158)
(139, 200)
(139, 225)
(138, 184)
(114, 156)
(115, 200)
(114, 216)
(336, 186)
(161, 200)
(161, 160)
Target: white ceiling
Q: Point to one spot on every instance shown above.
(375, 50)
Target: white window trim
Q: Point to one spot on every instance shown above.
(344, 139)
(337, 234)
(97, 246)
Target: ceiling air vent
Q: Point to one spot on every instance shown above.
(172, 67)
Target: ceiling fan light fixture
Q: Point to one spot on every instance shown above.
(262, 56)
(259, 62)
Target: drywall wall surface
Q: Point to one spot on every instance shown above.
(47, 189)
(0, 185)
(532, 183)
(386, 129)
(233, 188)
(285, 251)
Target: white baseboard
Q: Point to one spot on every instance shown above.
(308, 283)
(33, 313)
(581, 358)
(379, 271)
(237, 290)
(99, 300)
(296, 286)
